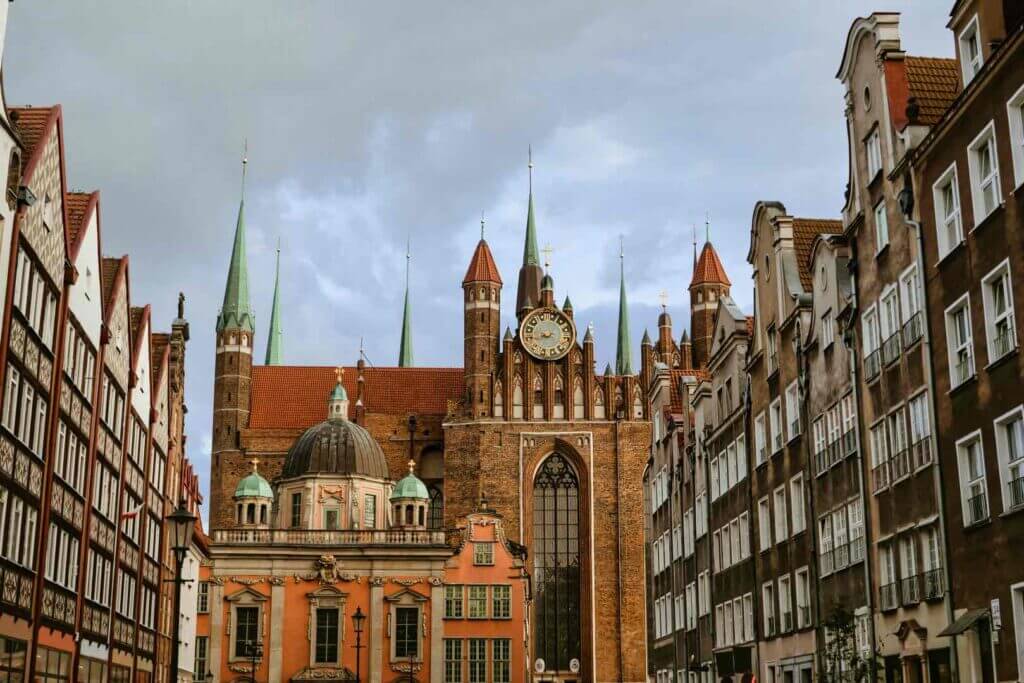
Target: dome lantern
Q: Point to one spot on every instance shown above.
(253, 499)
(337, 403)
(410, 501)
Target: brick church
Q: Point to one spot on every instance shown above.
(525, 428)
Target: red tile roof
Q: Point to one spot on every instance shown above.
(804, 232)
(709, 268)
(482, 267)
(934, 83)
(77, 205)
(289, 397)
(750, 324)
(676, 391)
(108, 272)
(32, 124)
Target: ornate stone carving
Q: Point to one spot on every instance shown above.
(328, 491)
(276, 580)
(376, 580)
(328, 567)
(435, 581)
(407, 667)
(217, 580)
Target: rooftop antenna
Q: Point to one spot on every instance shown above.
(362, 353)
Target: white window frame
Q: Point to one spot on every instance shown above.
(949, 225)
(910, 294)
(792, 410)
(873, 153)
(871, 331)
(881, 219)
(968, 484)
(828, 330)
(970, 37)
(978, 183)
(781, 526)
(768, 605)
(1008, 468)
(955, 347)
(764, 524)
(775, 420)
(992, 319)
(1015, 117)
(889, 313)
(796, 503)
(760, 440)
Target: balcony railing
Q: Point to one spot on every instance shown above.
(773, 362)
(769, 626)
(835, 452)
(891, 348)
(827, 559)
(1016, 490)
(872, 365)
(977, 508)
(913, 329)
(1003, 341)
(880, 476)
(933, 587)
(921, 452)
(850, 442)
(911, 590)
(963, 371)
(787, 622)
(803, 615)
(857, 550)
(821, 460)
(842, 556)
(889, 595)
(900, 465)
(356, 537)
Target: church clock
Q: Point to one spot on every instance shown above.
(547, 333)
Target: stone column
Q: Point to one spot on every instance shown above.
(436, 633)
(216, 629)
(276, 630)
(377, 626)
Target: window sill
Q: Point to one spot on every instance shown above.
(988, 218)
(1012, 511)
(978, 525)
(959, 387)
(948, 256)
(1002, 359)
(1019, 189)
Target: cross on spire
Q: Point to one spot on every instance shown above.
(707, 226)
(663, 297)
(255, 464)
(481, 225)
(547, 255)
(529, 165)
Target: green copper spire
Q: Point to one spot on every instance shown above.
(405, 346)
(624, 352)
(274, 338)
(235, 312)
(530, 252)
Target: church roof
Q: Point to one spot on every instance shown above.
(292, 397)
(709, 268)
(805, 230)
(482, 267)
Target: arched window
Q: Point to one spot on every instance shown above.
(577, 400)
(538, 397)
(559, 404)
(517, 400)
(599, 413)
(556, 563)
(435, 520)
(250, 513)
(499, 407)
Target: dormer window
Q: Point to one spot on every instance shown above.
(971, 59)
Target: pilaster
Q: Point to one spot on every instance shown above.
(377, 627)
(276, 631)
(436, 633)
(216, 629)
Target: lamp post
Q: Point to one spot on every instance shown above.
(180, 522)
(358, 618)
(255, 651)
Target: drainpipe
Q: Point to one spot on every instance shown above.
(672, 552)
(907, 204)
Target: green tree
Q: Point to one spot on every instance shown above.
(842, 661)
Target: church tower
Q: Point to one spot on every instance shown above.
(708, 285)
(232, 371)
(481, 326)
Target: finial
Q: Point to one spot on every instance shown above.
(412, 466)
(408, 257)
(245, 161)
(547, 255)
(481, 225)
(339, 372)
(663, 297)
(279, 245)
(255, 464)
(707, 226)
(529, 165)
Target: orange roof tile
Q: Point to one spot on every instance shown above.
(288, 397)
(77, 205)
(934, 83)
(108, 272)
(482, 267)
(32, 124)
(675, 390)
(804, 232)
(750, 324)
(709, 268)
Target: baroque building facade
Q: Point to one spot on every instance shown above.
(557, 450)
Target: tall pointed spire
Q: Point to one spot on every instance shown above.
(236, 312)
(274, 338)
(405, 346)
(530, 273)
(624, 350)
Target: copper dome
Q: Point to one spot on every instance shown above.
(335, 447)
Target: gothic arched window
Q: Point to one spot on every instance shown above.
(556, 563)
(436, 518)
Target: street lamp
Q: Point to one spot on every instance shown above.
(358, 618)
(181, 523)
(254, 649)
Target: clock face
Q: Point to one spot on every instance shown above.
(547, 333)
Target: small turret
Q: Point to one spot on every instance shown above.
(337, 403)
(481, 326)
(567, 306)
(253, 499)
(410, 501)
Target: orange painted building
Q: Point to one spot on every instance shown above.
(333, 539)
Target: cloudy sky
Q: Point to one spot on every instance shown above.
(368, 123)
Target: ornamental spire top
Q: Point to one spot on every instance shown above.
(235, 312)
(274, 338)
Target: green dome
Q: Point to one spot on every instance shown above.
(410, 486)
(339, 393)
(547, 282)
(253, 486)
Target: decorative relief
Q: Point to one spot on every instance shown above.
(21, 470)
(32, 358)
(45, 370)
(35, 479)
(376, 580)
(217, 580)
(6, 454)
(328, 491)
(65, 397)
(17, 344)
(240, 668)
(407, 667)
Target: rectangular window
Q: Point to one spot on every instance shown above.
(1010, 450)
(960, 342)
(946, 197)
(781, 515)
(759, 440)
(715, 484)
(971, 59)
(296, 520)
(477, 660)
(453, 601)
(881, 226)
(775, 413)
(202, 655)
(741, 458)
(793, 409)
(764, 524)
(983, 164)
(768, 605)
(1015, 116)
(748, 617)
(407, 641)
(483, 553)
(477, 602)
(785, 604)
(803, 598)
(247, 628)
(744, 534)
(828, 332)
(796, 499)
(452, 660)
(971, 461)
(999, 319)
(203, 598)
(327, 635)
(501, 602)
(872, 335)
(910, 297)
(501, 660)
(873, 150)
(369, 511)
